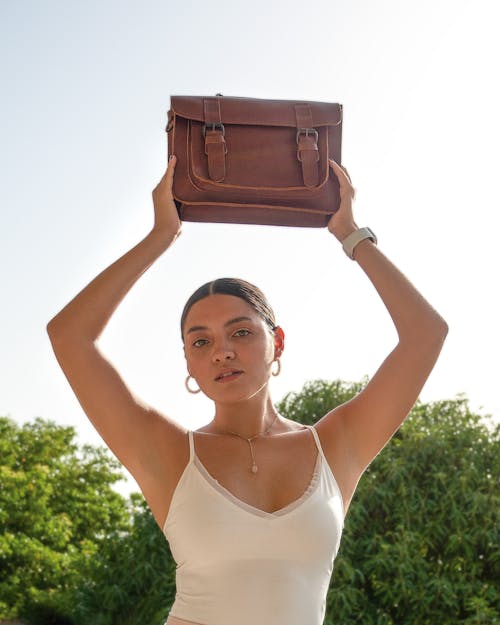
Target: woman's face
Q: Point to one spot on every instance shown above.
(229, 348)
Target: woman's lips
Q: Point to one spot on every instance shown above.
(228, 376)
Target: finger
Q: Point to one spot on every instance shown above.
(336, 166)
(167, 179)
(169, 172)
(341, 167)
(347, 173)
(340, 171)
(172, 161)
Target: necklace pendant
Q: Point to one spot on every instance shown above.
(254, 468)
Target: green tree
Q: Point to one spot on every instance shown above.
(57, 506)
(133, 580)
(421, 539)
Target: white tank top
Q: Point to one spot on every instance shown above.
(239, 565)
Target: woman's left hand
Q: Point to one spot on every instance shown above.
(342, 222)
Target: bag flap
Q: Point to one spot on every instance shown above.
(256, 111)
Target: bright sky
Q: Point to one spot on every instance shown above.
(86, 88)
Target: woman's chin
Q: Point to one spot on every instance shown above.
(234, 392)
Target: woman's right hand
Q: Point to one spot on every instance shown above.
(166, 216)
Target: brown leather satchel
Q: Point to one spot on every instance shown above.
(254, 161)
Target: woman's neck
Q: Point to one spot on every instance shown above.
(246, 418)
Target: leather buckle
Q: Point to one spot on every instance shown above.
(215, 126)
(307, 131)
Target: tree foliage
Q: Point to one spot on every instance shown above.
(57, 506)
(420, 542)
(421, 538)
(133, 580)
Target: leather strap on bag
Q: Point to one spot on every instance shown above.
(215, 143)
(307, 145)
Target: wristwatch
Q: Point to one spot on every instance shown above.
(351, 240)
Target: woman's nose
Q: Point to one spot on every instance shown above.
(222, 353)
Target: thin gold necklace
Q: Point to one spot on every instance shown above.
(254, 467)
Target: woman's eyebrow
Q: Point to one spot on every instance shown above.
(228, 323)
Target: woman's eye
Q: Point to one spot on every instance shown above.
(200, 342)
(242, 332)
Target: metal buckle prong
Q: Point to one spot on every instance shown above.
(307, 131)
(215, 126)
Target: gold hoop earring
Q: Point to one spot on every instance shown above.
(190, 390)
(277, 372)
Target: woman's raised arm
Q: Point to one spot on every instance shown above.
(126, 424)
(360, 428)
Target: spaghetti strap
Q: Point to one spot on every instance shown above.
(191, 446)
(316, 439)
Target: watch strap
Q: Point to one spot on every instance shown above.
(351, 240)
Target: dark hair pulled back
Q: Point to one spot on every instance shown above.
(246, 291)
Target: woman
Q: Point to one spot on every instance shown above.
(252, 503)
